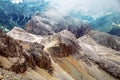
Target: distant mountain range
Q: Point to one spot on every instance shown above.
(109, 24)
(45, 24)
(12, 14)
(48, 44)
(18, 14)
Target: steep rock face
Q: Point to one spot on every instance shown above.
(70, 58)
(40, 57)
(105, 39)
(11, 52)
(36, 55)
(35, 26)
(17, 58)
(108, 59)
(62, 44)
(43, 24)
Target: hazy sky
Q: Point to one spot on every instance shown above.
(87, 7)
(90, 5)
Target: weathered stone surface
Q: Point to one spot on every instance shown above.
(20, 55)
(110, 67)
(9, 48)
(20, 34)
(40, 57)
(99, 48)
(105, 39)
(62, 45)
(42, 24)
(90, 57)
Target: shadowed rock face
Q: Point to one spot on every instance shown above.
(62, 49)
(115, 31)
(9, 48)
(44, 25)
(40, 57)
(36, 55)
(17, 58)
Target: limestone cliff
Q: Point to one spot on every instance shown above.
(60, 56)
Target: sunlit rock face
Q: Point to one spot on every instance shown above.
(20, 34)
(47, 24)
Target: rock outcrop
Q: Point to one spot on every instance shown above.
(40, 57)
(105, 39)
(20, 34)
(17, 58)
(62, 44)
(42, 24)
(62, 56)
(11, 53)
(99, 48)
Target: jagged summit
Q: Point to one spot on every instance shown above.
(61, 56)
(57, 40)
(44, 24)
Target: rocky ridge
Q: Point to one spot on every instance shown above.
(62, 56)
(43, 24)
(17, 58)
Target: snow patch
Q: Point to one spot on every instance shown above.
(16, 1)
